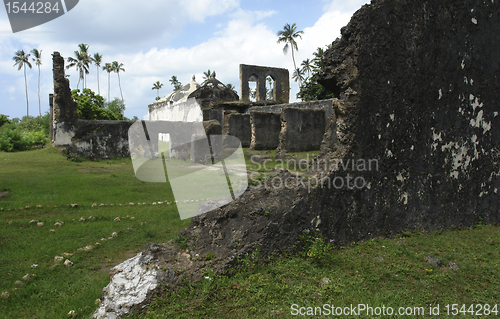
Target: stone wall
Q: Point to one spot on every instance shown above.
(239, 125)
(266, 127)
(420, 126)
(302, 130)
(260, 73)
(326, 105)
(103, 139)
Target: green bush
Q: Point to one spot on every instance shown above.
(11, 138)
(91, 106)
(21, 135)
(4, 119)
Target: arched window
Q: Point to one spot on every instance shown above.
(270, 89)
(253, 84)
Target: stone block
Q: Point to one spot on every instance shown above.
(238, 125)
(302, 130)
(266, 129)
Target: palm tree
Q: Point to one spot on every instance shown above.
(80, 62)
(22, 59)
(298, 75)
(108, 67)
(318, 57)
(97, 59)
(269, 91)
(37, 58)
(157, 86)
(176, 83)
(307, 67)
(288, 35)
(87, 59)
(231, 87)
(207, 75)
(117, 67)
(173, 80)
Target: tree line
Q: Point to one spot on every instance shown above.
(81, 60)
(309, 88)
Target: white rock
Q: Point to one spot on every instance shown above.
(40, 224)
(68, 263)
(58, 258)
(129, 286)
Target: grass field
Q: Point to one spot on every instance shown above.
(40, 186)
(382, 272)
(44, 178)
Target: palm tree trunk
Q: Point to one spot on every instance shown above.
(295, 66)
(108, 85)
(120, 85)
(98, 88)
(26, 85)
(39, 103)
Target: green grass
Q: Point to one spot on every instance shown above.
(44, 178)
(390, 272)
(381, 272)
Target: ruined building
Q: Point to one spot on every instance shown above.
(419, 89)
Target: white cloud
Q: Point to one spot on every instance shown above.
(139, 35)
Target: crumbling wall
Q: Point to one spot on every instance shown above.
(302, 130)
(326, 105)
(239, 125)
(418, 138)
(260, 73)
(103, 139)
(266, 127)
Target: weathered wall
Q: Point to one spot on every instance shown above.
(280, 77)
(301, 130)
(239, 125)
(326, 105)
(421, 96)
(175, 112)
(418, 83)
(104, 139)
(266, 127)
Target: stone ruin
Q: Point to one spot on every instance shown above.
(259, 74)
(418, 95)
(104, 139)
(108, 139)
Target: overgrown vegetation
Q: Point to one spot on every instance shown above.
(91, 106)
(25, 134)
(380, 272)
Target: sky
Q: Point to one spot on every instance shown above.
(160, 38)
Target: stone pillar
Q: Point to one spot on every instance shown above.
(51, 117)
(64, 107)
